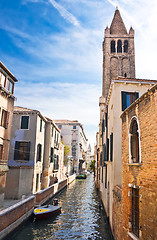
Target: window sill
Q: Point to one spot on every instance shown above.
(133, 236)
(134, 164)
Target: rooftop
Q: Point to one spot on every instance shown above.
(5, 69)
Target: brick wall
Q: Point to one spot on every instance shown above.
(116, 222)
(142, 175)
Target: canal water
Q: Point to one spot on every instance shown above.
(82, 217)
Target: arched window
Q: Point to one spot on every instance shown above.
(126, 46)
(119, 46)
(113, 49)
(125, 75)
(134, 141)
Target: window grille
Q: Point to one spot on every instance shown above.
(135, 211)
(22, 151)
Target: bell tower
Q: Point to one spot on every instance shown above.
(118, 53)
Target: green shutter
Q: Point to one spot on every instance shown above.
(111, 147)
(123, 94)
(136, 95)
(107, 152)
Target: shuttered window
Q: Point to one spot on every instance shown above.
(128, 98)
(39, 152)
(1, 151)
(24, 122)
(22, 151)
(107, 150)
(111, 147)
(5, 119)
(51, 155)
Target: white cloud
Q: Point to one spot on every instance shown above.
(64, 13)
(63, 101)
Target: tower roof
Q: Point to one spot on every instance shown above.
(117, 25)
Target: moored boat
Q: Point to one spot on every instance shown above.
(46, 211)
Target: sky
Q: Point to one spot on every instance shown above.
(54, 49)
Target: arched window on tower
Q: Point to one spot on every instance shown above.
(119, 46)
(134, 141)
(113, 49)
(126, 46)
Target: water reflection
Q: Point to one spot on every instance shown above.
(80, 217)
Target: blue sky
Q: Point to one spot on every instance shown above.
(54, 48)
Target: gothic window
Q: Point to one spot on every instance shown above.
(113, 49)
(135, 211)
(134, 141)
(119, 46)
(126, 46)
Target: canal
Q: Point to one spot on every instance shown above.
(82, 217)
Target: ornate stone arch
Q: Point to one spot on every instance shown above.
(134, 141)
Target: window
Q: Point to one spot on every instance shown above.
(39, 152)
(3, 77)
(113, 49)
(22, 151)
(24, 122)
(104, 152)
(135, 211)
(56, 161)
(74, 127)
(111, 147)
(119, 46)
(41, 125)
(128, 98)
(1, 151)
(9, 85)
(126, 46)
(74, 151)
(51, 155)
(134, 141)
(4, 119)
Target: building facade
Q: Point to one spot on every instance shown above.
(120, 89)
(34, 153)
(73, 135)
(139, 168)
(7, 83)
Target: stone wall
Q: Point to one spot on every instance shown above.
(13, 216)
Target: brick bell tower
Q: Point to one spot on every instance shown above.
(118, 53)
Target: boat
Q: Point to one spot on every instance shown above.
(81, 176)
(47, 211)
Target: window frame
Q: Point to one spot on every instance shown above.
(135, 211)
(21, 122)
(139, 142)
(124, 95)
(16, 149)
